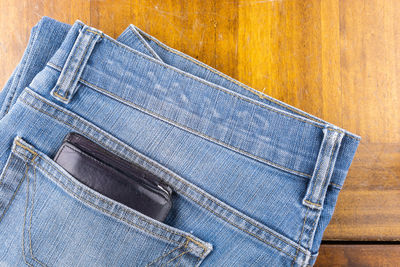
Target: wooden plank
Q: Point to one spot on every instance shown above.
(358, 255)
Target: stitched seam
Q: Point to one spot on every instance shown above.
(186, 183)
(27, 148)
(325, 178)
(235, 95)
(314, 225)
(148, 47)
(208, 83)
(30, 217)
(338, 186)
(183, 193)
(197, 243)
(330, 166)
(265, 161)
(89, 30)
(60, 96)
(64, 77)
(201, 134)
(107, 202)
(102, 209)
(312, 203)
(88, 44)
(301, 235)
(11, 200)
(100, 199)
(26, 207)
(220, 89)
(104, 200)
(164, 255)
(190, 129)
(180, 255)
(193, 188)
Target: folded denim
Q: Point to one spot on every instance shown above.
(257, 180)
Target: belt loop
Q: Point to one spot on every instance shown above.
(75, 63)
(318, 184)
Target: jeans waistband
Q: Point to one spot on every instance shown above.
(285, 140)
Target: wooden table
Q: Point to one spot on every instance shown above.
(338, 60)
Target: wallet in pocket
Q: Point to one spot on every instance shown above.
(114, 177)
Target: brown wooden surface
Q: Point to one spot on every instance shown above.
(338, 60)
(359, 255)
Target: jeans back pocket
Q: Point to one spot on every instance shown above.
(66, 223)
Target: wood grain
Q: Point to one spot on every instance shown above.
(338, 60)
(358, 255)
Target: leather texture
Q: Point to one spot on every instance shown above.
(114, 177)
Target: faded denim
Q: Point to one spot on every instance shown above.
(256, 180)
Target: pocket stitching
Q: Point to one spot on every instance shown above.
(163, 170)
(26, 208)
(164, 255)
(31, 213)
(179, 256)
(109, 213)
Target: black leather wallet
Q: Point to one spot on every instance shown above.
(114, 177)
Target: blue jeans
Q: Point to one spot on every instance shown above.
(256, 180)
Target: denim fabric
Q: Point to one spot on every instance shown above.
(256, 180)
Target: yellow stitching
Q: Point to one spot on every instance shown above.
(180, 255)
(101, 199)
(77, 67)
(315, 204)
(182, 181)
(196, 242)
(148, 47)
(26, 207)
(187, 195)
(204, 135)
(27, 148)
(60, 96)
(30, 219)
(177, 178)
(315, 178)
(106, 211)
(320, 194)
(36, 166)
(165, 254)
(276, 111)
(330, 166)
(263, 106)
(314, 223)
(88, 30)
(199, 133)
(301, 235)
(337, 185)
